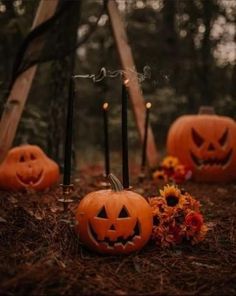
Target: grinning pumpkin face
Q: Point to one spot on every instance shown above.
(207, 143)
(214, 152)
(27, 166)
(114, 221)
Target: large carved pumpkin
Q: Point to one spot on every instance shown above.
(207, 143)
(27, 166)
(114, 221)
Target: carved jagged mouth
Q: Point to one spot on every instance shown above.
(213, 161)
(120, 241)
(29, 180)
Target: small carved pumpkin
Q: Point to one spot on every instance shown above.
(114, 221)
(27, 166)
(205, 142)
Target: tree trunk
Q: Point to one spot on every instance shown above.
(170, 38)
(206, 54)
(62, 70)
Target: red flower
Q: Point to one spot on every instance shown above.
(194, 220)
(181, 173)
(168, 171)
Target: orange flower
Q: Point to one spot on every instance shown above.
(194, 220)
(175, 230)
(157, 202)
(199, 236)
(189, 203)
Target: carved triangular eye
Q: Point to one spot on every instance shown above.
(198, 140)
(22, 158)
(124, 213)
(102, 213)
(224, 138)
(32, 156)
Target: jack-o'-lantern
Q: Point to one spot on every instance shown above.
(27, 166)
(206, 143)
(115, 221)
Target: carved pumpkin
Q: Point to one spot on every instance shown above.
(27, 166)
(205, 142)
(114, 221)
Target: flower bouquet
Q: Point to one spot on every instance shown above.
(171, 170)
(176, 218)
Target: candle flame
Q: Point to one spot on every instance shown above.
(148, 105)
(105, 106)
(126, 81)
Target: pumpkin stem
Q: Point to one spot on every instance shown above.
(115, 183)
(206, 110)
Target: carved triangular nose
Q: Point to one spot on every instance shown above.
(112, 227)
(211, 147)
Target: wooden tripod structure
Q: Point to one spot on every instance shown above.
(20, 90)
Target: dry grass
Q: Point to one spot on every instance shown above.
(41, 254)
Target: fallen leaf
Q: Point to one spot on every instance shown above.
(13, 200)
(2, 220)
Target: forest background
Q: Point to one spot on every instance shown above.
(185, 49)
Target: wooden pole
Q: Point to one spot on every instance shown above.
(128, 66)
(16, 101)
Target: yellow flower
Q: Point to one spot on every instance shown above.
(170, 162)
(159, 176)
(171, 194)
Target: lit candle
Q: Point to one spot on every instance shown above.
(69, 134)
(144, 150)
(125, 160)
(106, 139)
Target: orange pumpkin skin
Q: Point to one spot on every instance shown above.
(207, 144)
(114, 222)
(27, 166)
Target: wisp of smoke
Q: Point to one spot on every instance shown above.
(104, 73)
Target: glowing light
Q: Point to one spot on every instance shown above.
(126, 82)
(148, 105)
(105, 106)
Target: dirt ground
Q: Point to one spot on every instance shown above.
(40, 254)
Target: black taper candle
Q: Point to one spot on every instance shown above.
(106, 139)
(69, 134)
(124, 123)
(144, 148)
